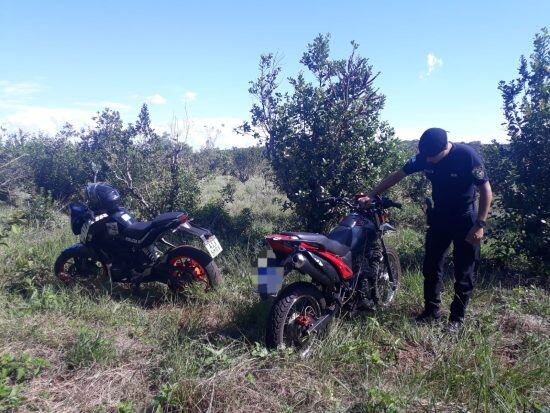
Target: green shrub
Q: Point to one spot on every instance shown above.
(520, 170)
(39, 208)
(13, 372)
(326, 136)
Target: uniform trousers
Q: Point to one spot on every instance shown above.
(443, 230)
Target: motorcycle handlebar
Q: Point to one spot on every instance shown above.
(376, 203)
(388, 203)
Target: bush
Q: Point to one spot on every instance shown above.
(520, 171)
(327, 133)
(39, 208)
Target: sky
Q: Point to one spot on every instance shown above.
(440, 61)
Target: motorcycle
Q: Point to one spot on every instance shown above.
(351, 268)
(114, 247)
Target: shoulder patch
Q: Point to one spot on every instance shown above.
(478, 172)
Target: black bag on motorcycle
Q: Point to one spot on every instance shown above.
(80, 214)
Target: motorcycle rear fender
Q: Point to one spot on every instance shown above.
(195, 230)
(201, 256)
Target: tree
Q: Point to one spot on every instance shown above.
(325, 133)
(521, 170)
(143, 124)
(57, 164)
(152, 172)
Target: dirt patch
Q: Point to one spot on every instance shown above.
(525, 323)
(253, 386)
(413, 357)
(59, 389)
(87, 389)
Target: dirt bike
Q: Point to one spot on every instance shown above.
(350, 268)
(114, 247)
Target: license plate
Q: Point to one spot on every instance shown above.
(213, 246)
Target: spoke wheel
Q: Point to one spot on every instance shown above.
(302, 313)
(296, 308)
(386, 288)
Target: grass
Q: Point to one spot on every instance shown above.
(204, 352)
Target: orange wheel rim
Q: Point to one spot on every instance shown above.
(197, 271)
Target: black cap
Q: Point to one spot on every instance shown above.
(432, 141)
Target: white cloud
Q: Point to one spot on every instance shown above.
(432, 63)
(19, 89)
(50, 120)
(121, 107)
(195, 131)
(199, 130)
(156, 99)
(189, 96)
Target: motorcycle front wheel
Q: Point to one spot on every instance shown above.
(76, 265)
(386, 288)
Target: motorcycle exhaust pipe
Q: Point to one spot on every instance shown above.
(298, 260)
(321, 271)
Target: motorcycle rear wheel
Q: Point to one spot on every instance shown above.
(296, 307)
(190, 264)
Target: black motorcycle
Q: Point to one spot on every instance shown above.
(351, 268)
(114, 247)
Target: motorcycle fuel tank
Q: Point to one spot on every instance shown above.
(353, 230)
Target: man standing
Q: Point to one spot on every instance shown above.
(455, 171)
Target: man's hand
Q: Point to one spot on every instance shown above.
(475, 235)
(366, 200)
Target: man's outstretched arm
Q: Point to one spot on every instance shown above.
(384, 185)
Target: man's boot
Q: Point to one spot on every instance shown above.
(428, 316)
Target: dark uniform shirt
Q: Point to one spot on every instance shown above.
(453, 178)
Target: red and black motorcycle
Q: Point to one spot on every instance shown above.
(350, 268)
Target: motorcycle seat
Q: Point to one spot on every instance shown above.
(330, 245)
(166, 217)
(138, 230)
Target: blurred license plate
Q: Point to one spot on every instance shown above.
(213, 246)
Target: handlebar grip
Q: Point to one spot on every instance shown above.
(388, 203)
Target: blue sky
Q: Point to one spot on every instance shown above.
(440, 61)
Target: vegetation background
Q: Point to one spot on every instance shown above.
(77, 350)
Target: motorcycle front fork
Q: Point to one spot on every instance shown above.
(366, 284)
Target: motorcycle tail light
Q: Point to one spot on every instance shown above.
(183, 218)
